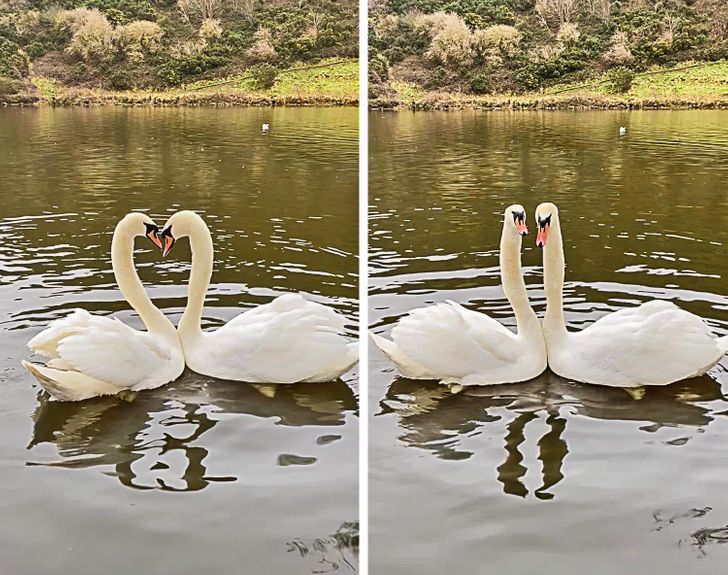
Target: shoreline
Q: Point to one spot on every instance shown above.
(441, 102)
(176, 100)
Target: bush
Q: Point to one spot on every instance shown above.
(452, 40)
(13, 61)
(9, 86)
(262, 49)
(619, 81)
(496, 42)
(139, 39)
(93, 35)
(264, 75)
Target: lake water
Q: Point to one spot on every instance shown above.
(201, 475)
(550, 476)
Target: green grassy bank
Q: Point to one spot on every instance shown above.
(329, 83)
(689, 85)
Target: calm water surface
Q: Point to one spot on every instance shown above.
(200, 476)
(550, 476)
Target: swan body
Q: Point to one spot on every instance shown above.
(93, 355)
(655, 343)
(288, 340)
(459, 346)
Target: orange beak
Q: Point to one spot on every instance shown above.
(152, 235)
(542, 236)
(521, 227)
(168, 243)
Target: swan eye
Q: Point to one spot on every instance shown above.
(519, 217)
(152, 233)
(543, 222)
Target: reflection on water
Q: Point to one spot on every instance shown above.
(242, 468)
(156, 440)
(336, 552)
(549, 476)
(434, 419)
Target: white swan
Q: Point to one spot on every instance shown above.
(460, 346)
(285, 341)
(656, 343)
(95, 355)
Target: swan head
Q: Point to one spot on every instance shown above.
(547, 215)
(139, 224)
(180, 225)
(515, 217)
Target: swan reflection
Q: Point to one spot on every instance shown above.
(157, 439)
(435, 419)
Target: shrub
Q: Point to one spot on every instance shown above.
(9, 86)
(264, 75)
(93, 35)
(210, 30)
(452, 40)
(13, 61)
(619, 81)
(568, 33)
(554, 13)
(262, 49)
(139, 39)
(618, 53)
(496, 42)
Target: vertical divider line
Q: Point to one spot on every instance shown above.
(363, 288)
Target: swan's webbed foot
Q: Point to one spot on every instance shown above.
(455, 388)
(636, 393)
(127, 395)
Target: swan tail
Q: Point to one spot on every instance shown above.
(65, 385)
(723, 344)
(335, 372)
(406, 366)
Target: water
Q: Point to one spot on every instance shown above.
(199, 475)
(549, 476)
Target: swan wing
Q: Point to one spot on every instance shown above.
(102, 348)
(287, 340)
(453, 341)
(654, 343)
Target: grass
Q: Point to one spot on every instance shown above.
(690, 84)
(329, 83)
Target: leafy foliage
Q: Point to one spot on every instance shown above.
(497, 46)
(125, 44)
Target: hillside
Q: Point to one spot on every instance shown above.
(484, 48)
(161, 45)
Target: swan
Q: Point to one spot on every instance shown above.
(94, 355)
(288, 340)
(655, 343)
(458, 346)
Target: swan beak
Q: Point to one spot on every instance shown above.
(519, 220)
(152, 235)
(168, 243)
(542, 236)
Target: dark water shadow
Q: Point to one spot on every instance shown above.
(339, 551)
(156, 440)
(435, 419)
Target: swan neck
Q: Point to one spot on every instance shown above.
(200, 276)
(514, 285)
(127, 278)
(553, 270)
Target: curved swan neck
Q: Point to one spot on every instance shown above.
(200, 276)
(122, 262)
(553, 272)
(513, 284)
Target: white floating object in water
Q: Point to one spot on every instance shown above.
(622, 131)
(266, 127)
